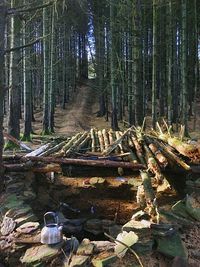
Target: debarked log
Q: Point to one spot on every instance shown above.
(84, 162)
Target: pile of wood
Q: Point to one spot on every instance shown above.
(132, 149)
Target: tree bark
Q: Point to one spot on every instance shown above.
(2, 36)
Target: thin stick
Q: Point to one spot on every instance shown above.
(131, 250)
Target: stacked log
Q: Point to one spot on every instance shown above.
(107, 148)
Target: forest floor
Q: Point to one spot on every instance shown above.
(80, 115)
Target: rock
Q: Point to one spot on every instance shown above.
(27, 218)
(103, 259)
(94, 226)
(15, 187)
(180, 209)
(79, 261)
(72, 229)
(6, 242)
(85, 248)
(29, 195)
(73, 226)
(40, 253)
(171, 246)
(106, 224)
(137, 226)
(28, 227)
(193, 206)
(18, 212)
(13, 201)
(115, 230)
(30, 239)
(61, 217)
(127, 238)
(7, 226)
(143, 246)
(101, 246)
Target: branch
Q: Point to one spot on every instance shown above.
(23, 46)
(16, 11)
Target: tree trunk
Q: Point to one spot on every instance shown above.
(2, 36)
(183, 67)
(154, 65)
(14, 92)
(113, 63)
(27, 87)
(45, 73)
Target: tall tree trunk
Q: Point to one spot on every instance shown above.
(183, 66)
(45, 73)
(169, 62)
(154, 64)
(2, 36)
(14, 92)
(51, 76)
(27, 87)
(137, 63)
(113, 63)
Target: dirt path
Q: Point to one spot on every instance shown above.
(77, 115)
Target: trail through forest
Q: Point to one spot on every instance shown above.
(78, 114)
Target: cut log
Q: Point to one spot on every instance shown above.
(112, 147)
(39, 150)
(106, 139)
(159, 156)
(53, 149)
(153, 165)
(101, 141)
(92, 133)
(168, 153)
(67, 146)
(121, 138)
(48, 168)
(98, 163)
(75, 146)
(138, 149)
(82, 145)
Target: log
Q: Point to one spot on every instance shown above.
(138, 149)
(101, 141)
(75, 145)
(39, 150)
(148, 189)
(121, 138)
(83, 143)
(67, 146)
(153, 166)
(84, 162)
(168, 153)
(106, 139)
(53, 149)
(92, 133)
(48, 168)
(159, 156)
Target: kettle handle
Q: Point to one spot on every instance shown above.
(50, 213)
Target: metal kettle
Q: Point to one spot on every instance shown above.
(51, 232)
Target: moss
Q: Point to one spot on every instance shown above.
(10, 146)
(26, 138)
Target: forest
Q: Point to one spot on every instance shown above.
(93, 88)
